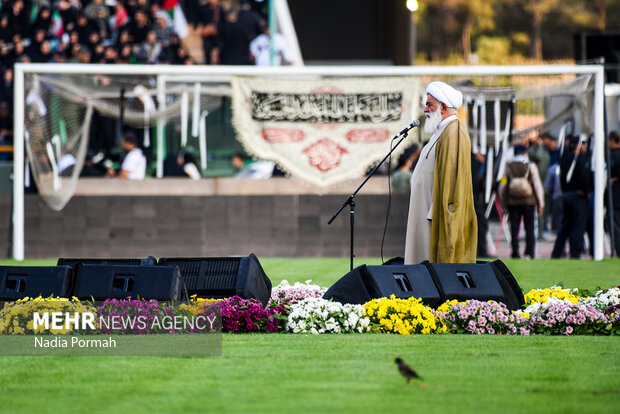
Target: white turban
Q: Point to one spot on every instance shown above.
(445, 94)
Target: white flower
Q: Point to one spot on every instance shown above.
(603, 298)
(317, 315)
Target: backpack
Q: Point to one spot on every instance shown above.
(520, 187)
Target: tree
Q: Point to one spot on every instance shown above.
(477, 16)
(603, 8)
(539, 9)
(600, 7)
(435, 29)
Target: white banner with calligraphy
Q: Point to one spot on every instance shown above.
(323, 131)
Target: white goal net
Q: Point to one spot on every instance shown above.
(59, 121)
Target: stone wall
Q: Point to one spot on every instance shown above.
(269, 225)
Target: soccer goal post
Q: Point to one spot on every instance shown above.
(53, 104)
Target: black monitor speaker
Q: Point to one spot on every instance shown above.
(463, 281)
(433, 282)
(101, 281)
(75, 263)
(221, 277)
(18, 282)
(370, 282)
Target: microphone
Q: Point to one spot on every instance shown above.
(414, 124)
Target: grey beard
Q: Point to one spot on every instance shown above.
(432, 122)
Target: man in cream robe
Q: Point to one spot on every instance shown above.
(442, 223)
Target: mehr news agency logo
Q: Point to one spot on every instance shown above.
(84, 322)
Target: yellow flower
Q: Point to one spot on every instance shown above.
(402, 316)
(17, 317)
(524, 314)
(543, 295)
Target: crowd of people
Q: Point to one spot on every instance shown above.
(126, 31)
(130, 32)
(89, 31)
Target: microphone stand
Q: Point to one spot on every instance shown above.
(350, 201)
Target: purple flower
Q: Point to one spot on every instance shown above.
(612, 309)
(479, 317)
(566, 318)
(248, 315)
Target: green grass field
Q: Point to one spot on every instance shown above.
(347, 373)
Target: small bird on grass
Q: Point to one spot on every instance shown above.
(406, 371)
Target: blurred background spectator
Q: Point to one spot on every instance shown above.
(260, 48)
(181, 164)
(576, 181)
(210, 15)
(133, 166)
(247, 168)
(522, 201)
(404, 168)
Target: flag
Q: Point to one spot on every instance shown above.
(56, 28)
(179, 23)
(169, 4)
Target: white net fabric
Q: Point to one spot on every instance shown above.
(538, 103)
(55, 127)
(504, 109)
(59, 109)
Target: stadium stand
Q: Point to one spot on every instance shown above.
(121, 31)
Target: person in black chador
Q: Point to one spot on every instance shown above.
(478, 174)
(576, 183)
(233, 41)
(208, 21)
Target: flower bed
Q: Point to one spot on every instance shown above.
(300, 308)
